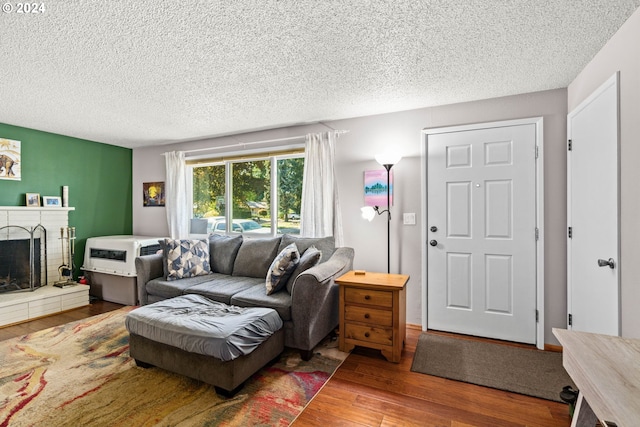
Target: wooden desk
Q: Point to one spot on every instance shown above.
(373, 312)
(606, 370)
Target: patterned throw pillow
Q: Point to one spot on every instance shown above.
(310, 258)
(281, 268)
(186, 258)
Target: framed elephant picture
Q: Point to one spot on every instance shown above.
(10, 159)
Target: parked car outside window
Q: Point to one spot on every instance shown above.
(219, 225)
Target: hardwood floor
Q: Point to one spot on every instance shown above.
(369, 391)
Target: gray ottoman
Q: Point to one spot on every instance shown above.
(206, 340)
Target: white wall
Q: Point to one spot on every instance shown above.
(621, 53)
(402, 131)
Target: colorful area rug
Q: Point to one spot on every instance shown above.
(80, 374)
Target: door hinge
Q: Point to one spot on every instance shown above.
(570, 232)
(537, 234)
(537, 152)
(537, 316)
(570, 145)
(570, 320)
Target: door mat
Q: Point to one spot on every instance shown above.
(520, 370)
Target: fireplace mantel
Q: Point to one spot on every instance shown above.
(36, 209)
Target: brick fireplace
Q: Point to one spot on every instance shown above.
(52, 219)
(16, 307)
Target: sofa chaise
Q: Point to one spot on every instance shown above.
(239, 266)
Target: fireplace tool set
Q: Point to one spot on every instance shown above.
(68, 239)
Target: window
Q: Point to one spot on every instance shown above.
(208, 191)
(290, 174)
(245, 185)
(251, 191)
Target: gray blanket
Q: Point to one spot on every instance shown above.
(199, 325)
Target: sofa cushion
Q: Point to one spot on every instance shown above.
(223, 287)
(310, 258)
(256, 297)
(172, 288)
(255, 256)
(186, 258)
(281, 268)
(326, 245)
(223, 251)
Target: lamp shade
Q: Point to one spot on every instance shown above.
(388, 158)
(368, 213)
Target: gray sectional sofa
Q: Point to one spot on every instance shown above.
(308, 304)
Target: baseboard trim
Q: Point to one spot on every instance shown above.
(547, 347)
(552, 347)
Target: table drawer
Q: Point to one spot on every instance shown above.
(369, 297)
(371, 334)
(374, 316)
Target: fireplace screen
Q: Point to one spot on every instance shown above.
(23, 258)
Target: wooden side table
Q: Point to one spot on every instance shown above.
(607, 373)
(373, 312)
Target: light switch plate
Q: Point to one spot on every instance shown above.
(409, 218)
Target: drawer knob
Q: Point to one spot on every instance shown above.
(367, 297)
(366, 315)
(366, 334)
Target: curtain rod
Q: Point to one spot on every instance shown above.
(242, 144)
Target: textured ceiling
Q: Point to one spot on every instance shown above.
(137, 73)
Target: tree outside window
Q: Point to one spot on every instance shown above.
(290, 174)
(250, 189)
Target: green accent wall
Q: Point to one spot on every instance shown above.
(98, 175)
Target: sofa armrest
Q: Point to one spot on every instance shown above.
(315, 299)
(334, 267)
(148, 267)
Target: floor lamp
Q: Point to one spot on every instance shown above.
(387, 160)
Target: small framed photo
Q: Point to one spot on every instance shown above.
(153, 193)
(51, 201)
(33, 200)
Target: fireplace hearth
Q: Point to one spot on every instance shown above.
(23, 258)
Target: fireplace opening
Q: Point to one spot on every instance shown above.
(22, 258)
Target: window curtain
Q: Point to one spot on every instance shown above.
(176, 195)
(320, 211)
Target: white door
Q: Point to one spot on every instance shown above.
(481, 255)
(592, 249)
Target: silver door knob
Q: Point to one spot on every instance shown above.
(433, 242)
(607, 263)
